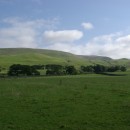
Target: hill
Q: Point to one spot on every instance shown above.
(9, 56)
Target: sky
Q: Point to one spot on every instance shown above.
(82, 27)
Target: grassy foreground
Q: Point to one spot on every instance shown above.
(91, 102)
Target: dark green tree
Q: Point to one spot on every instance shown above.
(70, 70)
(123, 68)
(22, 70)
(53, 69)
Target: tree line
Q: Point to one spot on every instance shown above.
(20, 70)
(55, 69)
(101, 68)
(51, 69)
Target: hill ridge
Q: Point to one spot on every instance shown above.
(10, 56)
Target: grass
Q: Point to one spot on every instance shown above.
(86, 102)
(9, 56)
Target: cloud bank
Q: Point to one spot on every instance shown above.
(113, 45)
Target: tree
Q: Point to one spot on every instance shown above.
(70, 70)
(99, 68)
(53, 69)
(18, 70)
(123, 68)
(89, 68)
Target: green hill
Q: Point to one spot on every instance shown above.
(9, 56)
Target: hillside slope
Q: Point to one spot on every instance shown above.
(9, 56)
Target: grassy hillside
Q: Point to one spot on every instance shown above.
(38, 56)
(9, 56)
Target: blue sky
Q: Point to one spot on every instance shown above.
(85, 27)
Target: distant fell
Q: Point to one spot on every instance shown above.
(9, 56)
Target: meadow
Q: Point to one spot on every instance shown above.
(82, 102)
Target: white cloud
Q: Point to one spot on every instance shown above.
(87, 26)
(114, 45)
(62, 36)
(71, 47)
(23, 33)
(17, 37)
(124, 39)
(31, 34)
(38, 23)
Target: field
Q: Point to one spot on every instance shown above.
(84, 102)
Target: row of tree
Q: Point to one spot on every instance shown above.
(101, 68)
(53, 69)
(60, 70)
(18, 70)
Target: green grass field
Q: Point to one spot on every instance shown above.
(84, 102)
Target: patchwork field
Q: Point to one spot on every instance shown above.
(85, 102)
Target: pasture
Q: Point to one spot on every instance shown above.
(82, 102)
